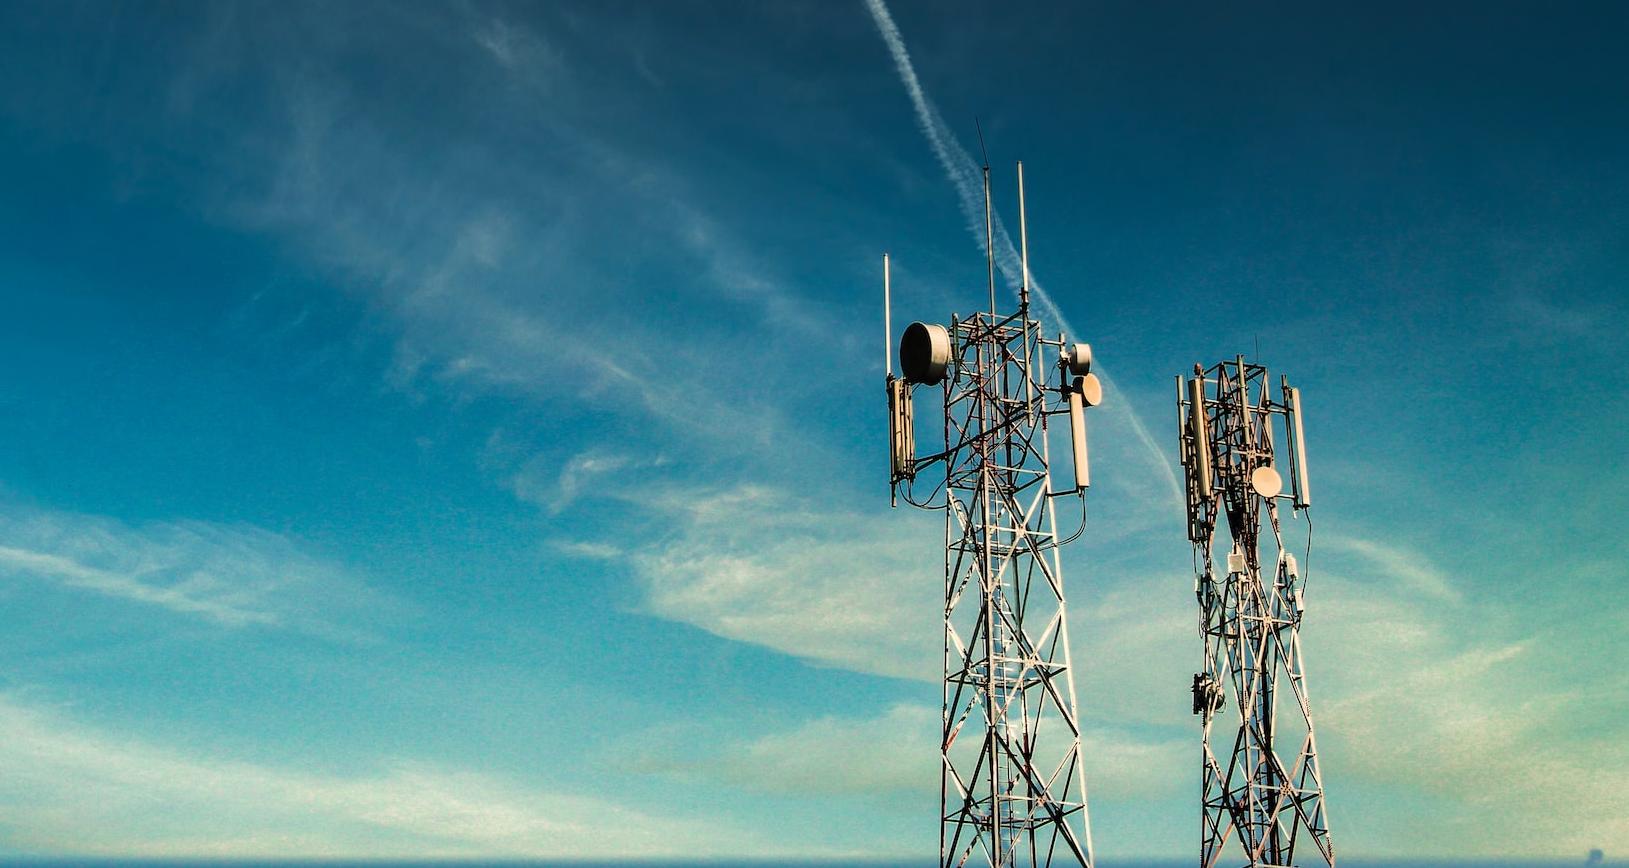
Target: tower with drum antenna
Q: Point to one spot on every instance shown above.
(1012, 788)
(1261, 784)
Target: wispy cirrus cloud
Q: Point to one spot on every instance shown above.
(485, 256)
(555, 486)
(231, 575)
(520, 50)
(1410, 569)
(756, 564)
(198, 595)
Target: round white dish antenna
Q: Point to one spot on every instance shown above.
(924, 353)
(1090, 388)
(1266, 482)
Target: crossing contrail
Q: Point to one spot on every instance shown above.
(967, 177)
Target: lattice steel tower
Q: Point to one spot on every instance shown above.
(1012, 789)
(1250, 620)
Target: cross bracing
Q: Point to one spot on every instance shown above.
(1018, 797)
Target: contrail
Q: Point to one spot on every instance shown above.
(966, 175)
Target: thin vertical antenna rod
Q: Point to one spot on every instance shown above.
(989, 234)
(989, 241)
(1023, 283)
(887, 321)
(1023, 244)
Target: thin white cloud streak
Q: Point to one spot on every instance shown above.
(74, 789)
(967, 177)
(233, 576)
(542, 481)
(520, 50)
(1412, 569)
(185, 600)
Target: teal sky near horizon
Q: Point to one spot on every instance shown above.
(457, 430)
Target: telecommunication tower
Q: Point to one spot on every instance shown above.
(1250, 620)
(1012, 787)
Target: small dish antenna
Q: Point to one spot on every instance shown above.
(1266, 482)
(1090, 388)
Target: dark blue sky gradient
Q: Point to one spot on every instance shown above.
(412, 406)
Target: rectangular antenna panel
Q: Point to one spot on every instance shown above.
(1303, 492)
(1077, 431)
(901, 441)
(1201, 437)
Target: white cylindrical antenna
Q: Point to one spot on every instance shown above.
(1087, 392)
(1077, 431)
(1303, 492)
(1201, 437)
(887, 321)
(1023, 244)
(989, 241)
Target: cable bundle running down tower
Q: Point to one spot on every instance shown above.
(1251, 621)
(1011, 785)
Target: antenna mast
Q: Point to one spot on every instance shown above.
(1250, 617)
(989, 230)
(1012, 787)
(1023, 246)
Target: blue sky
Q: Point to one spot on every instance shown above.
(457, 429)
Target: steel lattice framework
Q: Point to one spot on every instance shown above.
(1013, 791)
(1019, 793)
(1260, 782)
